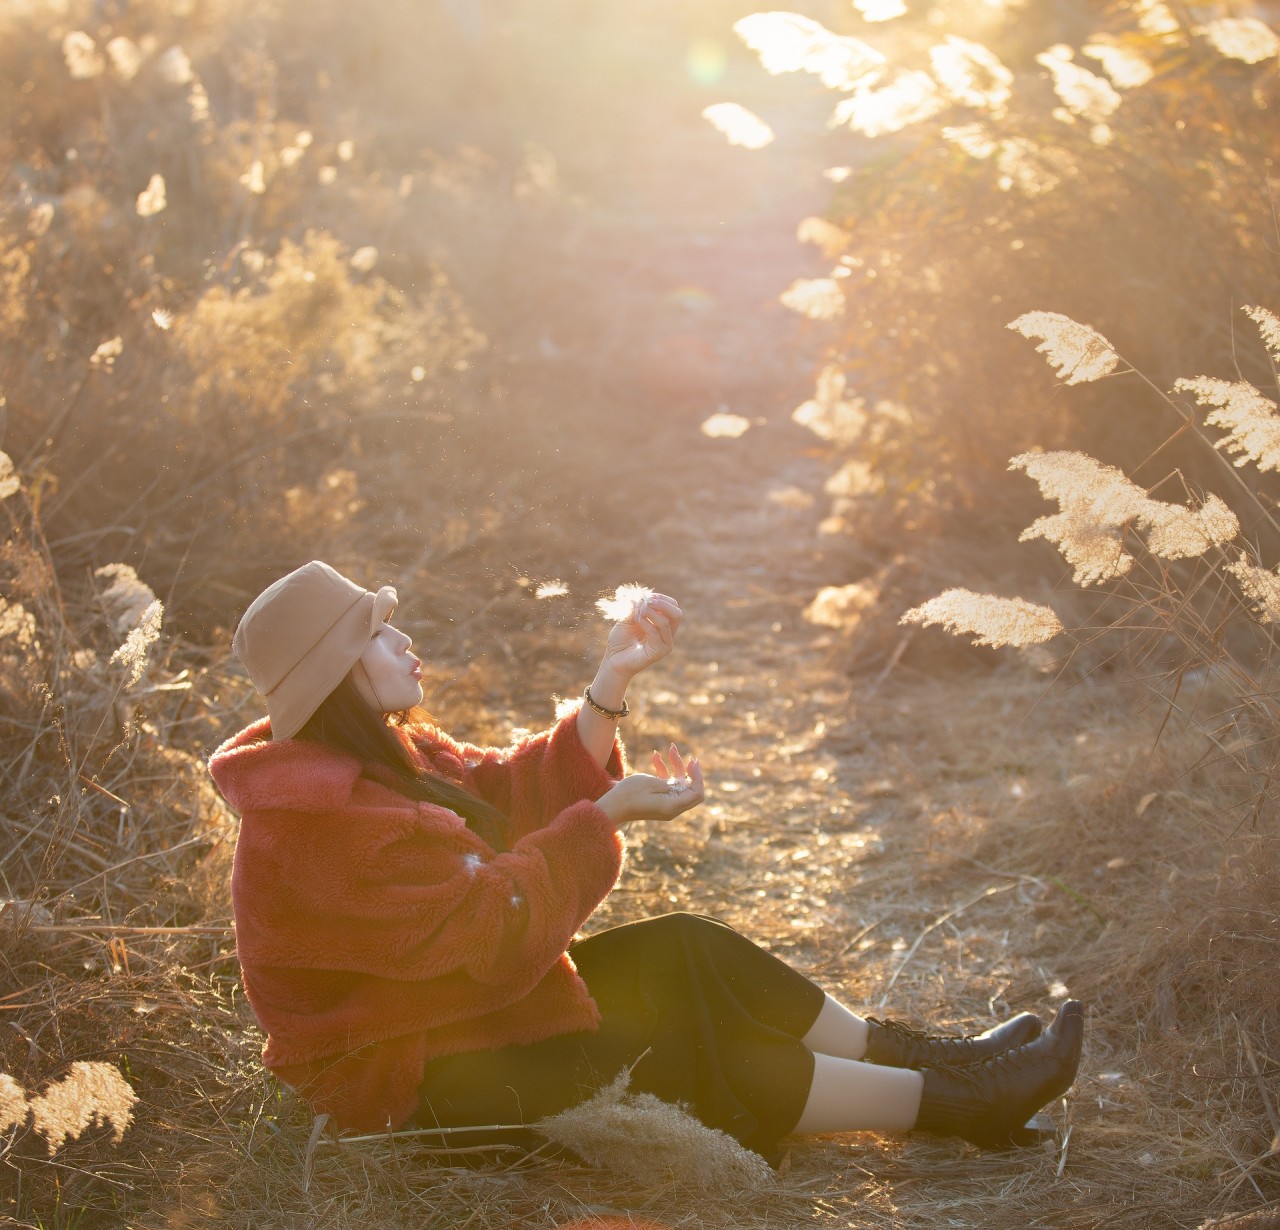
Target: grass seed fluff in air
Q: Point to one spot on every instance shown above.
(628, 602)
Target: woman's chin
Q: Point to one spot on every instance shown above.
(402, 704)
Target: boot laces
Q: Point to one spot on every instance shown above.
(1006, 1061)
(959, 1042)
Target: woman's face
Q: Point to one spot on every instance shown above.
(387, 675)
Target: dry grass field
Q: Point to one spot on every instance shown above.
(472, 299)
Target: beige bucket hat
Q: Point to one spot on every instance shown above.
(302, 634)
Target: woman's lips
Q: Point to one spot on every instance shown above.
(416, 672)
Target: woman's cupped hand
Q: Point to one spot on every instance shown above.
(675, 786)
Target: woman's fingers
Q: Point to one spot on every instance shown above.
(674, 768)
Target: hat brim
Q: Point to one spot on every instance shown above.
(301, 692)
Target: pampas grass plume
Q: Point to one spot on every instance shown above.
(989, 620)
(133, 654)
(651, 1141)
(1261, 587)
(90, 1093)
(152, 199)
(9, 481)
(1077, 352)
(1269, 327)
(1099, 501)
(13, 1103)
(1249, 419)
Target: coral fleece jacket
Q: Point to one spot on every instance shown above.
(375, 932)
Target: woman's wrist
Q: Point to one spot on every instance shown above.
(609, 689)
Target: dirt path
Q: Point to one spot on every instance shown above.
(856, 822)
(846, 822)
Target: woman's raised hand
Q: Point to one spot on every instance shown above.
(644, 638)
(675, 786)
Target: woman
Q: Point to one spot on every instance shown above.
(406, 905)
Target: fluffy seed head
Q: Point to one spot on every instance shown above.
(788, 43)
(1077, 352)
(17, 622)
(628, 602)
(1174, 531)
(989, 620)
(125, 597)
(842, 606)
(152, 199)
(133, 654)
(1126, 68)
(1082, 93)
(739, 126)
(82, 55)
(829, 414)
(1098, 502)
(883, 104)
(971, 74)
(255, 178)
(9, 482)
(107, 353)
(1156, 18)
(1269, 327)
(651, 1141)
(1261, 587)
(725, 426)
(1242, 38)
(13, 1103)
(817, 298)
(1249, 419)
(174, 67)
(90, 1093)
(126, 57)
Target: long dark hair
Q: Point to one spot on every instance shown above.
(345, 720)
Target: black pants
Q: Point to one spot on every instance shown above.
(705, 1016)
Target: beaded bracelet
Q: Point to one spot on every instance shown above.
(613, 715)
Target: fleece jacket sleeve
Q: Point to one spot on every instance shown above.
(409, 892)
(532, 781)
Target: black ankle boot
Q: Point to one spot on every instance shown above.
(989, 1103)
(898, 1046)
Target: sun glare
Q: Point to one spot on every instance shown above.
(706, 61)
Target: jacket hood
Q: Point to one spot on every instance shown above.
(254, 771)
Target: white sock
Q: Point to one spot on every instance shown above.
(837, 1031)
(848, 1096)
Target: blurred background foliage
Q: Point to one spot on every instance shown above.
(1114, 162)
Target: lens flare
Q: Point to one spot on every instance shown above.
(706, 61)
